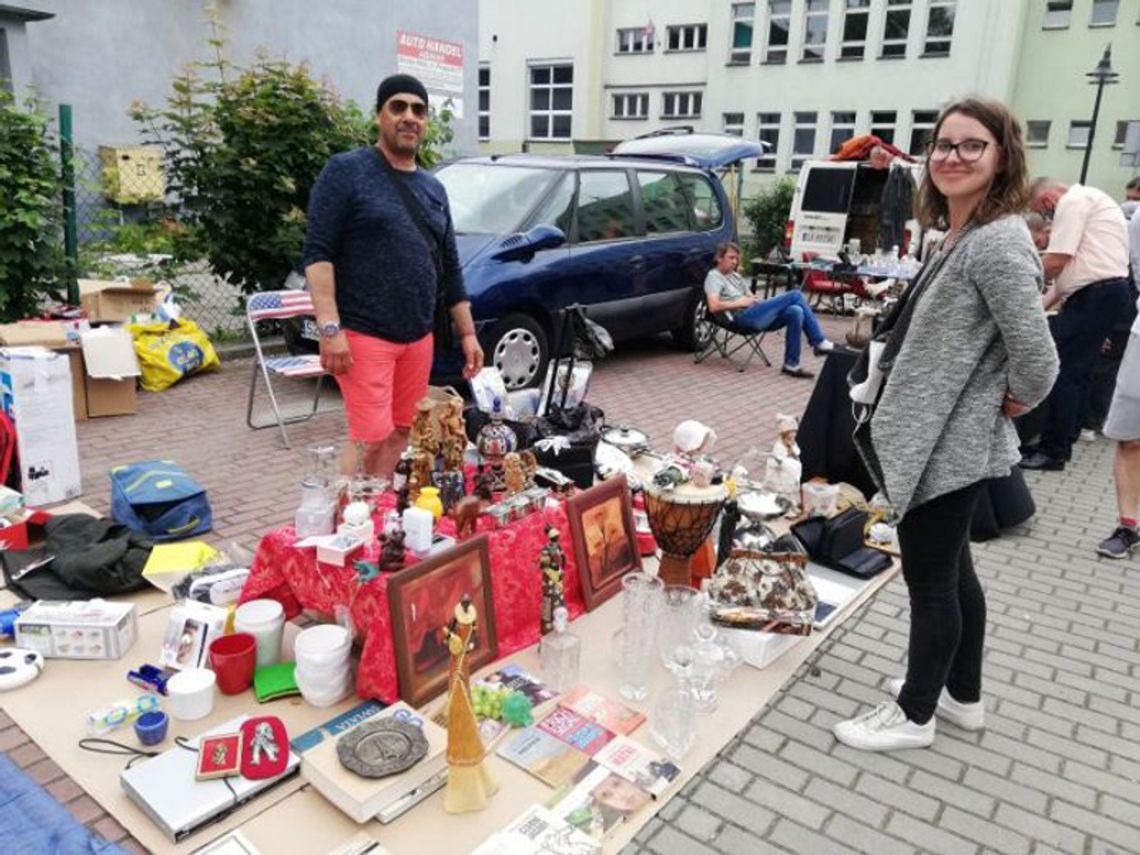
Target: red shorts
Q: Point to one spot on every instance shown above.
(383, 385)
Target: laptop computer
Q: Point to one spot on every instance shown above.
(167, 791)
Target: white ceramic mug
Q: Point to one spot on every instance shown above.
(265, 621)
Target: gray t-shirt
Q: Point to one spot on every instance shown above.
(726, 287)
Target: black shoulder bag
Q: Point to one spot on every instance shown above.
(441, 325)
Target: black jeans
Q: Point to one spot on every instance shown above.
(1079, 332)
(947, 606)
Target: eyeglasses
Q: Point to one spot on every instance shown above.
(968, 150)
(398, 106)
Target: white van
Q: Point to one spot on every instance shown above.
(837, 201)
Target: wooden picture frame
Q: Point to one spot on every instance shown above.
(422, 600)
(605, 538)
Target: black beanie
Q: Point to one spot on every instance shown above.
(395, 84)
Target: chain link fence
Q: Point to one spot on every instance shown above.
(124, 229)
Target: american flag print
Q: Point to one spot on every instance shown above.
(279, 304)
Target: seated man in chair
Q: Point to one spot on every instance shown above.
(728, 294)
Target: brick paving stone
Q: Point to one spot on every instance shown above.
(109, 829)
(896, 797)
(12, 737)
(799, 839)
(85, 809)
(864, 838)
(784, 802)
(27, 754)
(930, 838)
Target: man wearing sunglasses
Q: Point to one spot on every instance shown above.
(382, 264)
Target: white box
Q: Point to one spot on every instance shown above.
(760, 649)
(336, 549)
(81, 629)
(35, 385)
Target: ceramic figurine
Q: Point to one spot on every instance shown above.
(496, 441)
(469, 784)
(784, 469)
(466, 512)
(514, 477)
(552, 563)
(529, 465)
(693, 439)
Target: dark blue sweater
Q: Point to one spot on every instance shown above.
(385, 277)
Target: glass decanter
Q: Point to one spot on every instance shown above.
(317, 511)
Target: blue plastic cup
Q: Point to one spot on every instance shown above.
(150, 727)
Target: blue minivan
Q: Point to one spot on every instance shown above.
(629, 235)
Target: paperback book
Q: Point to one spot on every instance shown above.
(636, 763)
(598, 801)
(537, 831)
(613, 715)
(581, 733)
(548, 758)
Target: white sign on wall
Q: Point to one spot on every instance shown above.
(437, 63)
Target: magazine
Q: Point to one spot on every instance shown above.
(613, 715)
(520, 680)
(636, 763)
(546, 757)
(598, 801)
(574, 730)
(537, 831)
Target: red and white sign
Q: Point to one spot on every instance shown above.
(437, 63)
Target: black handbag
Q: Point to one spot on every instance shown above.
(837, 542)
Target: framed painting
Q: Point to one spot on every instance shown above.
(422, 599)
(605, 539)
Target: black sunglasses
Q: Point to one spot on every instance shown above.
(398, 106)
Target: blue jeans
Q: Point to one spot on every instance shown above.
(785, 310)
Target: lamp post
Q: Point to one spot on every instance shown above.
(1101, 76)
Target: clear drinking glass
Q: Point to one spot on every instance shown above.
(673, 723)
(641, 602)
(680, 612)
(713, 660)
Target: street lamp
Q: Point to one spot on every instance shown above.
(1101, 76)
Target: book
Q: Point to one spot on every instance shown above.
(636, 763)
(537, 831)
(576, 731)
(545, 756)
(516, 678)
(366, 798)
(613, 715)
(597, 802)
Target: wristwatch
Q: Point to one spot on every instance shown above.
(330, 329)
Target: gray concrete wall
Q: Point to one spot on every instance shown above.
(19, 66)
(101, 55)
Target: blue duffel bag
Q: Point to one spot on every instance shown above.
(158, 499)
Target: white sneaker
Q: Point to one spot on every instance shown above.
(966, 716)
(885, 728)
(1088, 435)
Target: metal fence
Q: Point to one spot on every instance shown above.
(123, 229)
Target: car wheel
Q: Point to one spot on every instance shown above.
(517, 346)
(697, 331)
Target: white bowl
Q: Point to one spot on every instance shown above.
(320, 681)
(191, 693)
(326, 698)
(318, 645)
(258, 613)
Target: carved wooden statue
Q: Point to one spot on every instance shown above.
(469, 784)
(514, 475)
(552, 564)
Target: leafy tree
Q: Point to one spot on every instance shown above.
(30, 257)
(767, 212)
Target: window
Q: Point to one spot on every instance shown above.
(1121, 135)
(484, 102)
(664, 203)
(939, 28)
(631, 105)
(635, 40)
(688, 37)
(557, 208)
(1078, 135)
(803, 139)
(1104, 13)
(815, 30)
(733, 123)
(883, 124)
(605, 206)
(768, 131)
(1057, 14)
(895, 28)
(703, 202)
(742, 17)
(842, 129)
(854, 29)
(490, 198)
(681, 105)
(1037, 133)
(779, 22)
(921, 129)
(551, 101)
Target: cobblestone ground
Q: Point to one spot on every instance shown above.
(1057, 769)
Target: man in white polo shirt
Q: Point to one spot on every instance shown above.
(1086, 264)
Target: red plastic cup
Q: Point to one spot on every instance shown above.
(233, 658)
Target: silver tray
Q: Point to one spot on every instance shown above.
(382, 748)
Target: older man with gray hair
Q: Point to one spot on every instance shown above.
(1086, 266)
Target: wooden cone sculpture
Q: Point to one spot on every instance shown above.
(469, 784)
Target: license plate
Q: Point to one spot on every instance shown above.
(309, 330)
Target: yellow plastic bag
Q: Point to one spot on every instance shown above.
(170, 351)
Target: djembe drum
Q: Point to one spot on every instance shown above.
(682, 519)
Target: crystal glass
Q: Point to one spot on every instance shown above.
(641, 602)
(713, 660)
(673, 723)
(680, 612)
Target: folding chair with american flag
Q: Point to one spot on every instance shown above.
(279, 305)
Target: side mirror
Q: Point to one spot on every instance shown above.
(526, 244)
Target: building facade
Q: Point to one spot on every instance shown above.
(802, 75)
(1062, 41)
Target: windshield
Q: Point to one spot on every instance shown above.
(489, 198)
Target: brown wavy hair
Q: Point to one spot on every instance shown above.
(1009, 192)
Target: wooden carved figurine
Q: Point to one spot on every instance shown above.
(392, 551)
(453, 439)
(529, 465)
(513, 474)
(484, 486)
(469, 784)
(466, 514)
(423, 464)
(424, 435)
(552, 563)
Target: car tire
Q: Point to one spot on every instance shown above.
(695, 334)
(517, 345)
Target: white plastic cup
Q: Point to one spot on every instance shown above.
(324, 645)
(265, 621)
(191, 694)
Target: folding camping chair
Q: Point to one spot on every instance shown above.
(719, 335)
(279, 305)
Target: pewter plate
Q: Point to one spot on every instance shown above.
(382, 748)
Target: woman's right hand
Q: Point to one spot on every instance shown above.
(335, 355)
(1013, 407)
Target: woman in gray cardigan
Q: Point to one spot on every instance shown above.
(969, 349)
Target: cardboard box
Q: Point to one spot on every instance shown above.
(62, 337)
(36, 394)
(82, 629)
(759, 649)
(111, 301)
(111, 367)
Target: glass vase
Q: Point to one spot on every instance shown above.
(642, 597)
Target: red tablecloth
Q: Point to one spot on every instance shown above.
(296, 579)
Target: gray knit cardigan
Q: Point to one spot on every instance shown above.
(977, 331)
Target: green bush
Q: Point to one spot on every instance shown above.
(767, 212)
(30, 256)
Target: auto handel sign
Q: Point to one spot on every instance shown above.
(437, 63)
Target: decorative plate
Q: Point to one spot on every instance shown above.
(382, 748)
